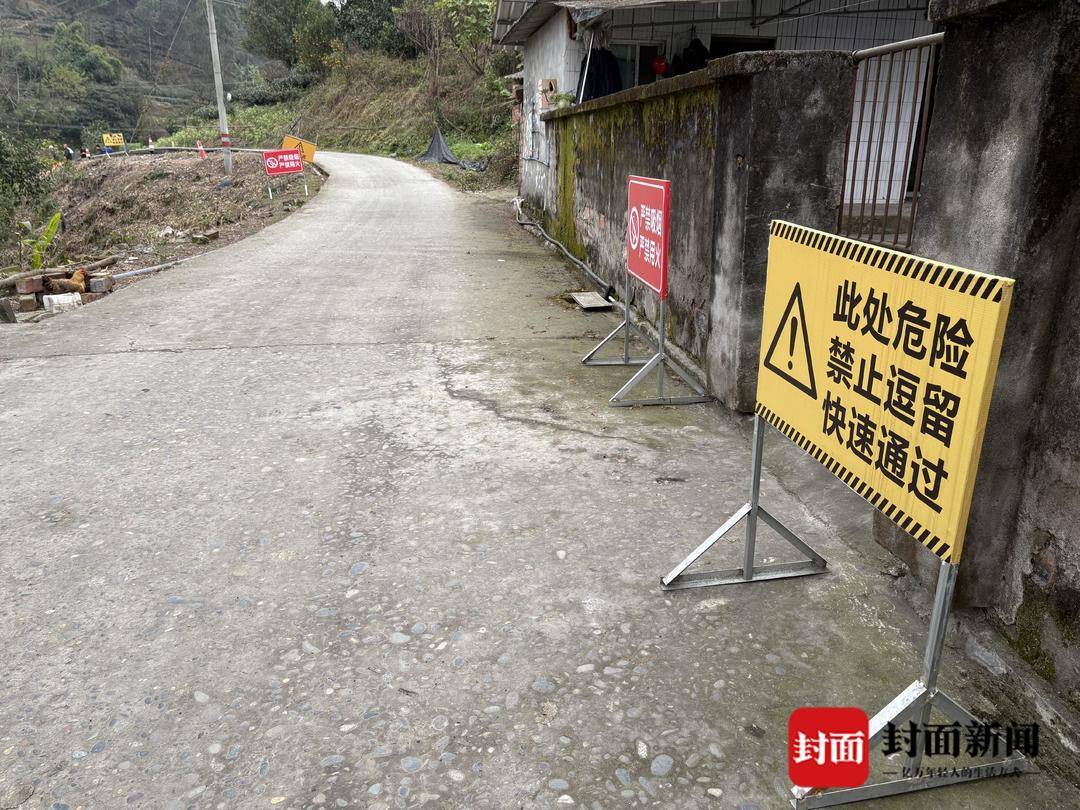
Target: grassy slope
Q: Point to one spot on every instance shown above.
(123, 204)
(379, 104)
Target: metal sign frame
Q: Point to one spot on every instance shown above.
(659, 361)
(914, 703)
(677, 579)
(922, 696)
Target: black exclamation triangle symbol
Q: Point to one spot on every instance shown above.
(798, 367)
(791, 345)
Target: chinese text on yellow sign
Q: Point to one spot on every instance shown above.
(881, 366)
(112, 138)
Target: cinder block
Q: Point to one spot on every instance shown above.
(28, 303)
(101, 284)
(61, 302)
(27, 286)
(90, 297)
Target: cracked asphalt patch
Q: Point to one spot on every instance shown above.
(333, 517)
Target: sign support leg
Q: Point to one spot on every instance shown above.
(624, 329)
(916, 703)
(659, 361)
(678, 579)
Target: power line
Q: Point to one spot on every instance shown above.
(177, 31)
(92, 8)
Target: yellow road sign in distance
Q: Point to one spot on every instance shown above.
(307, 148)
(112, 138)
(881, 365)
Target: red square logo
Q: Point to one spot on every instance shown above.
(829, 747)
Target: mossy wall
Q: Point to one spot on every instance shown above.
(672, 137)
(752, 137)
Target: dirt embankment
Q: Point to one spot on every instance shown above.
(152, 209)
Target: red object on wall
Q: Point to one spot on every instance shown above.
(282, 161)
(647, 218)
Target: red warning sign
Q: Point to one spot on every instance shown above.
(647, 217)
(282, 161)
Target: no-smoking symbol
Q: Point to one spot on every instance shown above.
(635, 227)
(272, 162)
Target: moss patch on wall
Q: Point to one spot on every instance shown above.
(562, 224)
(668, 119)
(1026, 636)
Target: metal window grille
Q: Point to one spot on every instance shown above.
(891, 103)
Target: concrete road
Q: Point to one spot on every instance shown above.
(333, 517)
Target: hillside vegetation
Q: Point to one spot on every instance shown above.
(363, 75)
(387, 73)
(74, 68)
(148, 208)
(376, 103)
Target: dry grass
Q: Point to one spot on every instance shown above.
(125, 204)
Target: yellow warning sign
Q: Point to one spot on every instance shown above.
(307, 148)
(112, 138)
(881, 365)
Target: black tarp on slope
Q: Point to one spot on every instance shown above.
(438, 151)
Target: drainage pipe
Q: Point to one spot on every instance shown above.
(607, 289)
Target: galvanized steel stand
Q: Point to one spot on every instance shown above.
(658, 361)
(915, 703)
(624, 329)
(677, 579)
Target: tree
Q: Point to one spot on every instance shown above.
(270, 25)
(314, 35)
(468, 25)
(92, 61)
(369, 25)
(419, 21)
(291, 31)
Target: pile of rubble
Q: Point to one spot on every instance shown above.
(55, 290)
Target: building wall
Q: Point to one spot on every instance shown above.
(756, 136)
(1001, 193)
(549, 54)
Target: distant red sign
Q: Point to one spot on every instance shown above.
(647, 217)
(282, 161)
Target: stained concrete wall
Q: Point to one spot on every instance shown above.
(1001, 193)
(755, 136)
(551, 54)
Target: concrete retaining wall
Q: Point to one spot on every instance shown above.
(1001, 193)
(753, 137)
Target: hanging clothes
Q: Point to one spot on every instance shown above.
(603, 77)
(696, 55)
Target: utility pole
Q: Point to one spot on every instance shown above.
(223, 121)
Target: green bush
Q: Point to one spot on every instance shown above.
(256, 90)
(255, 127)
(22, 179)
